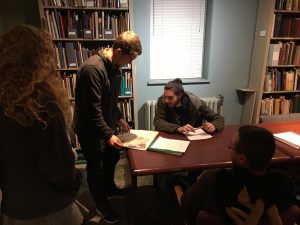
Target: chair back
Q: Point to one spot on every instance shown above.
(279, 118)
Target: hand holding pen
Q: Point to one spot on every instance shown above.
(208, 127)
(186, 128)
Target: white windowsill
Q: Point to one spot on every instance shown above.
(184, 81)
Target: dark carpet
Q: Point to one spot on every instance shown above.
(155, 203)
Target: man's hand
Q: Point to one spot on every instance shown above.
(273, 215)
(123, 125)
(115, 142)
(244, 198)
(186, 128)
(208, 127)
(241, 218)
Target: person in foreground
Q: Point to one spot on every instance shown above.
(247, 192)
(38, 178)
(179, 111)
(97, 117)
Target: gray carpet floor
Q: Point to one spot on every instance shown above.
(155, 207)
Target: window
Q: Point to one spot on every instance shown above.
(176, 38)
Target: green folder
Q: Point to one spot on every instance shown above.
(169, 146)
(166, 151)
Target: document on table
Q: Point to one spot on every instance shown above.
(137, 139)
(169, 146)
(199, 134)
(289, 138)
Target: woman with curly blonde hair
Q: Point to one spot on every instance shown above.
(37, 174)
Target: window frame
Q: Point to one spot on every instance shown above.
(192, 80)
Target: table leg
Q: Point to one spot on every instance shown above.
(134, 213)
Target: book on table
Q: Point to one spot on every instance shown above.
(169, 146)
(289, 138)
(144, 140)
(137, 139)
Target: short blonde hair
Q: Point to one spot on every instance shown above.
(129, 42)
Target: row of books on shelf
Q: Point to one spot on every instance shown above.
(284, 54)
(87, 3)
(290, 5)
(281, 105)
(281, 80)
(85, 24)
(72, 54)
(69, 83)
(126, 84)
(126, 107)
(286, 26)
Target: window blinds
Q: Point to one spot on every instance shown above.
(176, 38)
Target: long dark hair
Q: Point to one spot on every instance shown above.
(175, 85)
(28, 75)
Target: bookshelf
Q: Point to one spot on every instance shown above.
(275, 67)
(79, 29)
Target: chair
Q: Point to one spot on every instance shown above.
(279, 118)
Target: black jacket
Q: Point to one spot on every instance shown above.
(96, 98)
(37, 172)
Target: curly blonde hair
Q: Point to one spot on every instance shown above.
(28, 76)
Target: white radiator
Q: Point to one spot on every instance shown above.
(150, 107)
(214, 102)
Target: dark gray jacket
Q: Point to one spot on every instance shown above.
(165, 117)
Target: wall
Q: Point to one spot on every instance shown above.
(14, 12)
(229, 40)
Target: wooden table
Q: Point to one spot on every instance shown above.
(283, 127)
(201, 154)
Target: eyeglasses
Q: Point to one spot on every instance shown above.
(233, 148)
(169, 98)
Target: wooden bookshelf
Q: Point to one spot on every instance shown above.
(79, 31)
(275, 66)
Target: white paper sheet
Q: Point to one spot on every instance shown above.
(199, 134)
(290, 138)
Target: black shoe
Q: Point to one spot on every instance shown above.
(115, 192)
(108, 215)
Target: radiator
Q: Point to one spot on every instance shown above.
(215, 103)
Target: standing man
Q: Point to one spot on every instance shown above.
(97, 117)
(180, 111)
